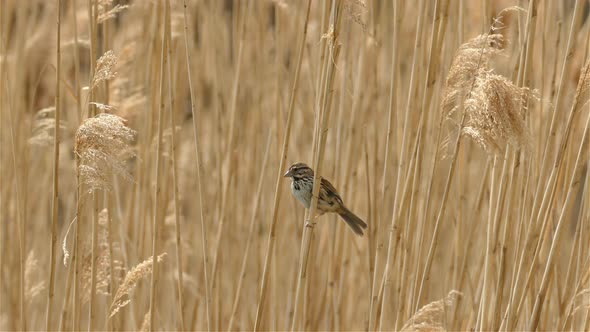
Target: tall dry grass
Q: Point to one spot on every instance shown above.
(143, 145)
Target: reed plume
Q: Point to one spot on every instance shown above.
(102, 148)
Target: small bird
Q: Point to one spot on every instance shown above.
(329, 200)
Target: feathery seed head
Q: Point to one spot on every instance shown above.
(105, 68)
(469, 59)
(34, 283)
(494, 106)
(102, 147)
(103, 260)
(141, 270)
(495, 113)
(145, 326)
(432, 317)
(583, 88)
(106, 11)
(44, 127)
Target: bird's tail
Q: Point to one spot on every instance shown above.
(356, 223)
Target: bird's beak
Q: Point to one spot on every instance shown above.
(288, 174)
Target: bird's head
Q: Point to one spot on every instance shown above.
(298, 171)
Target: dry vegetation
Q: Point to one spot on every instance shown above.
(456, 129)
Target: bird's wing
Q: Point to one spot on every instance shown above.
(331, 191)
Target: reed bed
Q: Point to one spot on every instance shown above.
(143, 147)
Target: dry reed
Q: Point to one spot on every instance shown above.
(133, 128)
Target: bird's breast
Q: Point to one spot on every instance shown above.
(302, 194)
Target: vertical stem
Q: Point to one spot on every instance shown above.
(110, 324)
(231, 142)
(177, 230)
(204, 246)
(155, 223)
(75, 264)
(552, 127)
(574, 182)
(389, 145)
(404, 145)
(92, 308)
(20, 219)
(2, 251)
(321, 133)
(242, 274)
(279, 181)
(54, 201)
(91, 28)
(489, 236)
(77, 298)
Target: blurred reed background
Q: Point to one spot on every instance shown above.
(458, 130)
